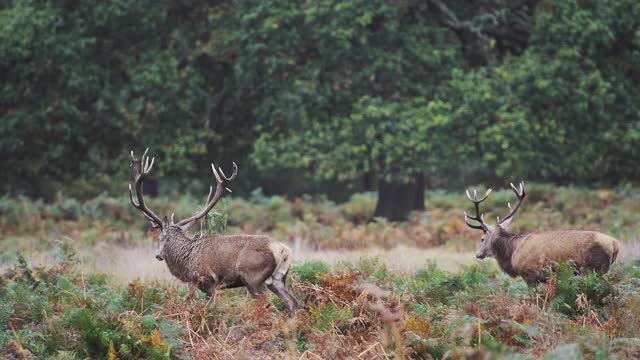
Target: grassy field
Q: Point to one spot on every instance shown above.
(80, 281)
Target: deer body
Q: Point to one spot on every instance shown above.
(220, 262)
(529, 254)
(215, 261)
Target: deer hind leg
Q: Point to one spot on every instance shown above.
(278, 288)
(256, 288)
(598, 259)
(286, 290)
(277, 284)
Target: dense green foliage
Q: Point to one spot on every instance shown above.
(53, 312)
(340, 90)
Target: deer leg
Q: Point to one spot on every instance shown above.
(286, 289)
(288, 302)
(534, 278)
(211, 289)
(256, 290)
(207, 284)
(278, 288)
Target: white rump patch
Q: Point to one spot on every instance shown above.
(282, 256)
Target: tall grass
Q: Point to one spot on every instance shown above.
(357, 310)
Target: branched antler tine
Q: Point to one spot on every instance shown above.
(151, 165)
(139, 177)
(486, 195)
(520, 194)
(131, 198)
(479, 216)
(466, 220)
(209, 196)
(134, 166)
(215, 173)
(233, 176)
(148, 217)
(212, 200)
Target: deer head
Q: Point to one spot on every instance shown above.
(141, 168)
(491, 232)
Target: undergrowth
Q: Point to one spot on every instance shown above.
(362, 310)
(318, 223)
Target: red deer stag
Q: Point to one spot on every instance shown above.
(529, 254)
(216, 261)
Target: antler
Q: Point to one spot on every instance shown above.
(221, 185)
(520, 194)
(479, 217)
(139, 177)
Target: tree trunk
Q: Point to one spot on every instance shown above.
(368, 181)
(151, 187)
(418, 198)
(396, 200)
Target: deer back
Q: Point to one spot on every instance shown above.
(585, 248)
(226, 255)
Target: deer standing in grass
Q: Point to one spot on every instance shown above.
(216, 261)
(529, 254)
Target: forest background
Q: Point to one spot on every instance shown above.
(318, 97)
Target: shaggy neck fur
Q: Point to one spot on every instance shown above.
(179, 253)
(503, 247)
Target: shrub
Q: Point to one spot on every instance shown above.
(310, 271)
(577, 294)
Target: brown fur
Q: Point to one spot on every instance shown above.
(215, 261)
(219, 262)
(527, 255)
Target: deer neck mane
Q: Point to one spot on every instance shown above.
(180, 252)
(503, 247)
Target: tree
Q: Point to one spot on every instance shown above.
(326, 79)
(349, 90)
(566, 110)
(84, 82)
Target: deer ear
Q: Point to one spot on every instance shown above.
(186, 227)
(505, 223)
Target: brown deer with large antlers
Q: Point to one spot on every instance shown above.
(216, 261)
(529, 254)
